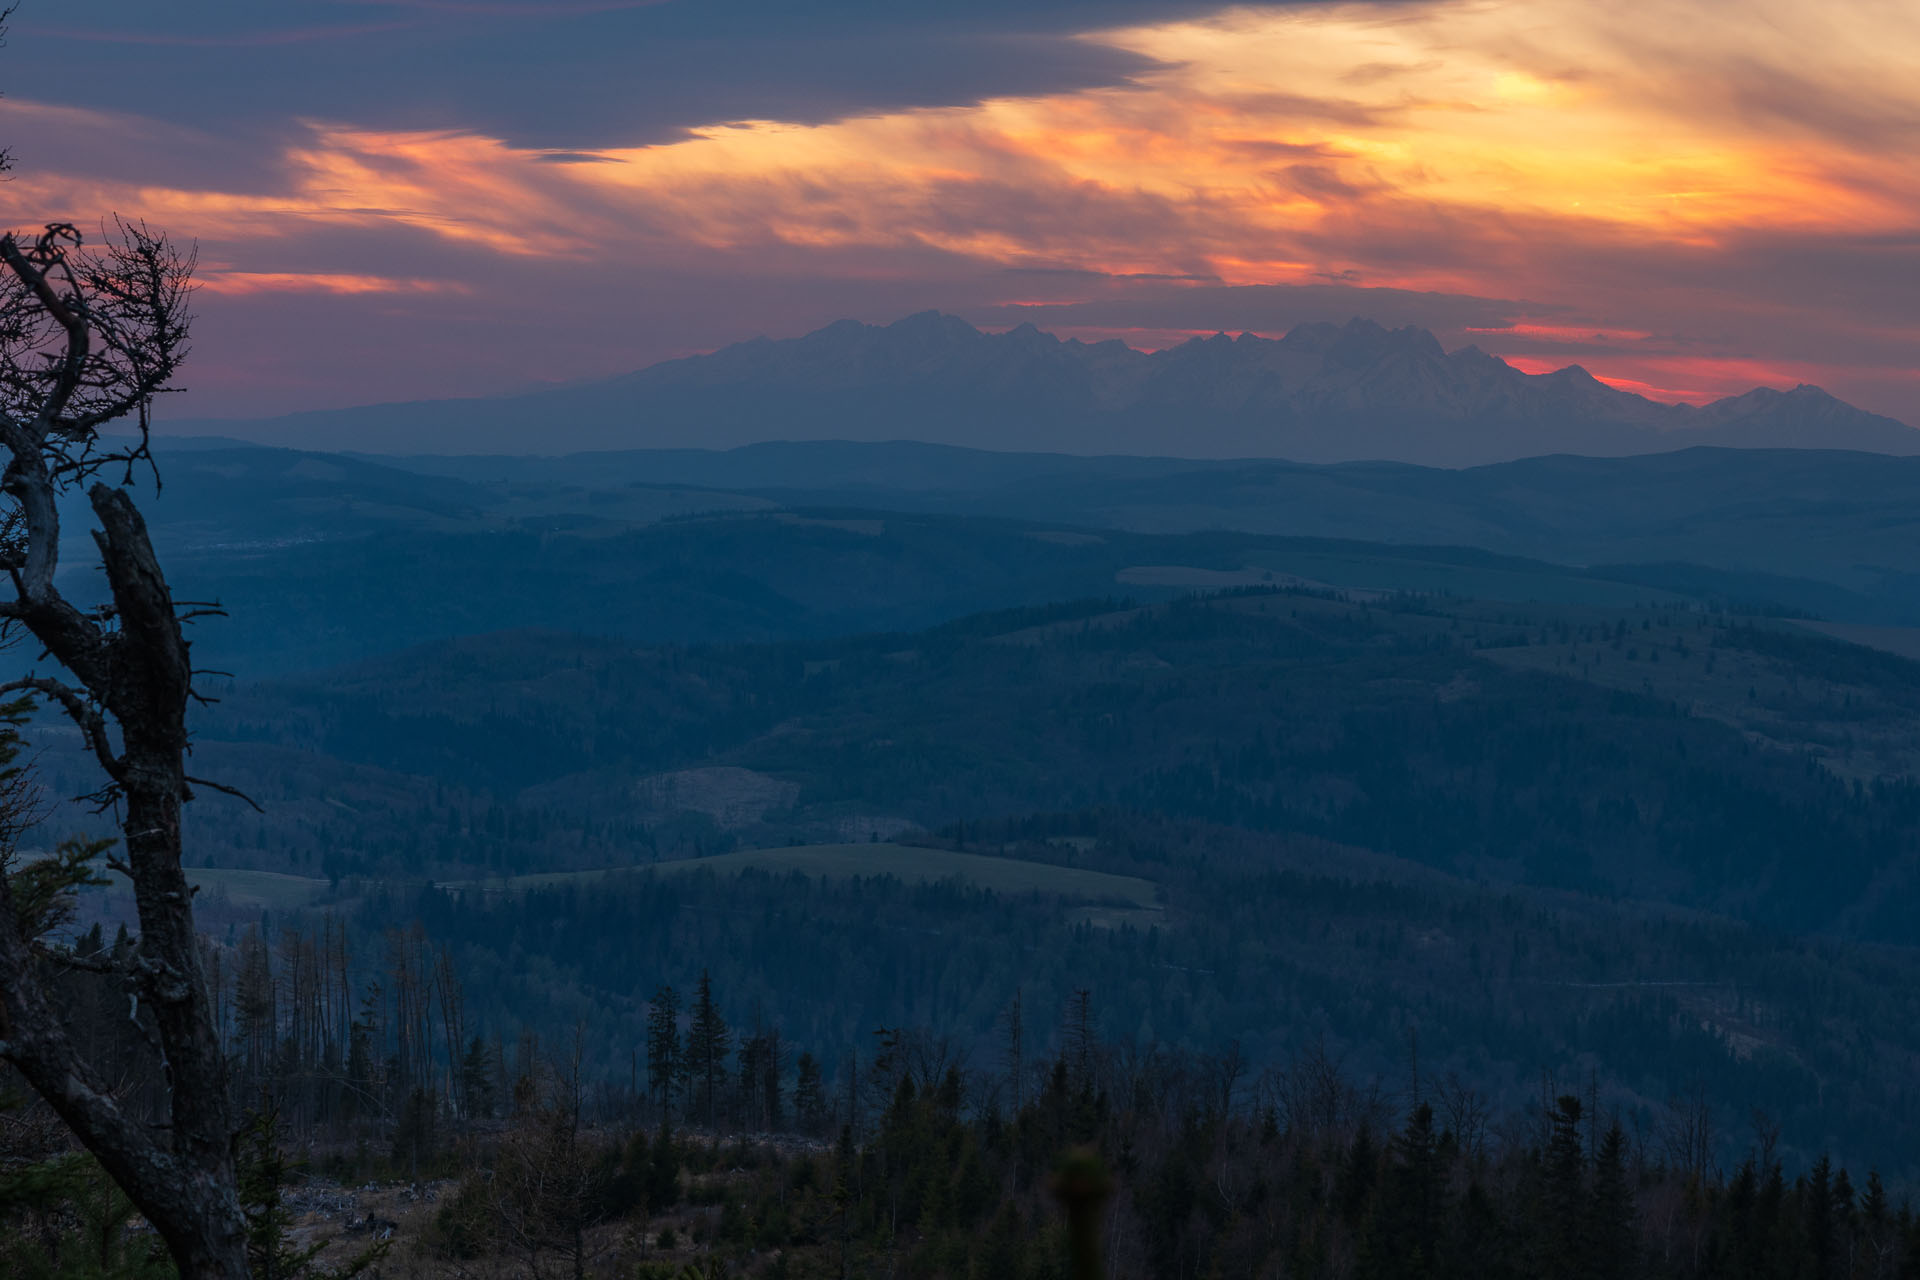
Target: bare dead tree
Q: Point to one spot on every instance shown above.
(1464, 1112)
(88, 337)
(1690, 1137)
(548, 1179)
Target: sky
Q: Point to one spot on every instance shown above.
(411, 199)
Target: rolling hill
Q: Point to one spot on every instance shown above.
(333, 559)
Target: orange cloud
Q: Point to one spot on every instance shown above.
(1261, 133)
(1495, 148)
(246, 282)
(1259, 157)
(1566, 333)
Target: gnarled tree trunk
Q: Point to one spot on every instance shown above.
(103, 335)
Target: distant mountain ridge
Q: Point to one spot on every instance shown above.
(1321, 393)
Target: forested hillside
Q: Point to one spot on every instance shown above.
(1740, 765)
(1557, 838)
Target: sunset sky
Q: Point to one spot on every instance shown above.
(402, 199)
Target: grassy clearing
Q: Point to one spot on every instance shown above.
(923, 866)
(1106, 899)
(271, 889)
(1478, 582)
(908, 863)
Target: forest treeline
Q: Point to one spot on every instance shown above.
(1275, 944)
(735, 1151)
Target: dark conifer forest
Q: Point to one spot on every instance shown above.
(404, 1140)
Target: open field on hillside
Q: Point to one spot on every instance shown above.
(1104, 898)
(1518, 583)
(908, 863)
(926, 866)
(223, 897)
(271, 889)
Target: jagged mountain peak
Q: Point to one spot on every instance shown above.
(1360, 342)
(1803, 393)
(1031, 336)
(1473, 357)
(934, 323)
(1573, 373)
(1322, 392)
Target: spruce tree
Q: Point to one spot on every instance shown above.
(772, 1105)
(1611, 1244)
(1561, 1212)
(1876, 1222)
(271, 1254)
(1420, 1194)
(1353, 1193)
(663, 1047)
(476, 1080)
(663, 1171)
(707, 1043)
(1479, 1243)
(751, 1053)
(1819, 1220)
(810, 1095)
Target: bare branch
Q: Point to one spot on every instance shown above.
(80, 709)
(70, 959)
(224, 789)
(31, 267)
